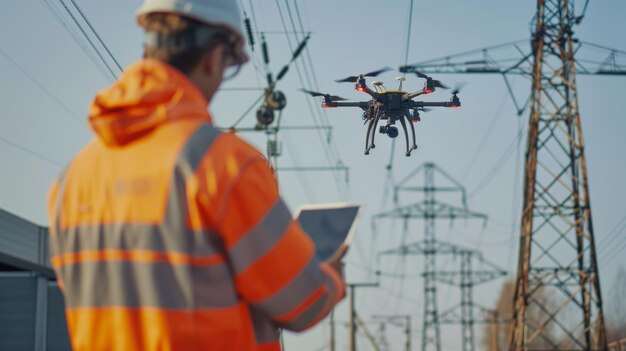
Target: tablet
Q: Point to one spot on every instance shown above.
(329, 226)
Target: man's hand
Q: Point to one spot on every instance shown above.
(336, 260)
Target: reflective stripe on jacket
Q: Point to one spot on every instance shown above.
(169, 235)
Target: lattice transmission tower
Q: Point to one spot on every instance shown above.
(557, 247)
(430, 210)
(557, 256)
(473, 270)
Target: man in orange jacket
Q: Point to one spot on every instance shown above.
(167, 234)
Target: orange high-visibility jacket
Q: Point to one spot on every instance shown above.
(170, 235)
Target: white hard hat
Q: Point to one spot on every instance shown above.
(221, 13)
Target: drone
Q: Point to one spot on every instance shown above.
(389, 105)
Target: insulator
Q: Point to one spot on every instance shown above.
(250, 34)
(282, 73)
(300, 48)
(273, 148)
(266, 56)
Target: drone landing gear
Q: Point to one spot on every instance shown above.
(370, 127)
(391, 132)
(406, 135)
(371, 133)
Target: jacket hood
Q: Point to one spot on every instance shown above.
(149, 93)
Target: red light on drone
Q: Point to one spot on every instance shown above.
(427, 91)
(326, 106)
(359, 88)
(455, 106)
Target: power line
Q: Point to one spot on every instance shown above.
(389, 180)
(616, 250)
(322, 113)
(304, 180)
(498, 165)
(609, 237)
(293, 155)
(408, 35)
(82, 30)
(76, 38)
(31, 152)
(97, 35)
(313, 112)
(483, 141)
(609, 250)
(243, 115)
(253, 29)
(41, 87)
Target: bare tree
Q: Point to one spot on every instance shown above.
(495, 336)
(615, 308)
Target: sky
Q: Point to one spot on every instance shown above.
(49, 76)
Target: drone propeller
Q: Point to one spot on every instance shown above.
(326, 96)
(437, 83)
(421, 75)
(353, 79)
(457, 88)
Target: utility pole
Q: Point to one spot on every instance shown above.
(557, 254)
(352, 324)
(430, 210)
(332, 330)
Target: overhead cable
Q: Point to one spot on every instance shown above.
(313, 113)
(31, 152)
(332, 147)
(97, 35)
(41, 87)
(88, 38)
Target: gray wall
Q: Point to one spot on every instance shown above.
(56, 331)
(32, 314)
(18, 305)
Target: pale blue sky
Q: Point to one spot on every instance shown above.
(349, 37)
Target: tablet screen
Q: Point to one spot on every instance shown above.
(329, 226)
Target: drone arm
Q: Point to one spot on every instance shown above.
(418, 104)
(361, 104)
(415, 94)
(369, 91)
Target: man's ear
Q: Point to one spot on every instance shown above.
(212, 61)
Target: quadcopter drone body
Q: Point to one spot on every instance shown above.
(389, 105)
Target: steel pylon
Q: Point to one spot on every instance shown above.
(557, 249)
(474, 270)
(429, 209)
(557, 255)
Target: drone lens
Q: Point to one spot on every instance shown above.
(392, 132)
